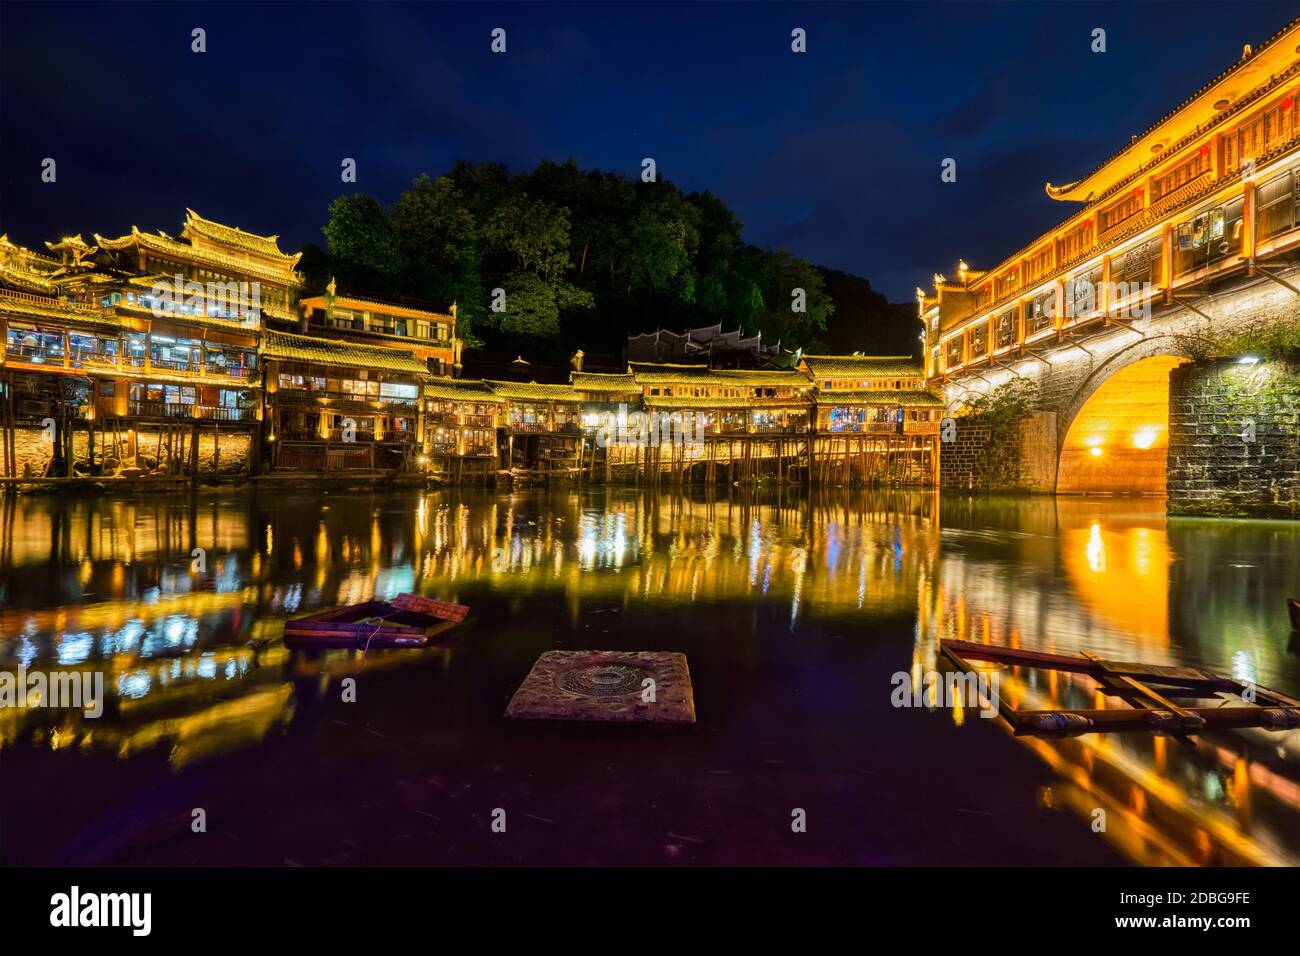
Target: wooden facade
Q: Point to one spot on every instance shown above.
(428, 334)
(135, 353)
(541, 429)
(143, 349)
(1210, 191)
(334, 406)
(461, 422)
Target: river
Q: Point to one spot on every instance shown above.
(794, 611)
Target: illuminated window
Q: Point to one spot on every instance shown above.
(1005, 325)
(1277, 201)
(1180, 175)
(1038, 312)
(1208, 237)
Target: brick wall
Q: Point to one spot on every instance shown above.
(1213, 468)
(1023, 459)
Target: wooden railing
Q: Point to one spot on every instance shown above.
(339, 457)
(49, 301)
(537, 428)
(879, 428)
(211, 413)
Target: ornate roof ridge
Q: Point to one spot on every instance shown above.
(1057, 192)
(233, 235)
(166, 244)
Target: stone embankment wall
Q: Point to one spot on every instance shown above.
(1234, 438)
(35, 450)
(1019, 457)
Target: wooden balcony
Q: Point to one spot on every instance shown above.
(50, 301)
(363, 437)
(879, 428)
(177, 410)
(329, 457)
(542, 428)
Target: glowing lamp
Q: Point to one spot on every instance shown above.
(1095, 451)
(1145, 437)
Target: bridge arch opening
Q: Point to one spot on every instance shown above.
(1118, 443)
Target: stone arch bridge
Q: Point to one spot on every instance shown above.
(1123, 407)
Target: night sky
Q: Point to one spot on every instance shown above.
(834, 154)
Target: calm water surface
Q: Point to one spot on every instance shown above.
(795, 611)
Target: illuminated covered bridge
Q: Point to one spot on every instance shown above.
(1186, 246)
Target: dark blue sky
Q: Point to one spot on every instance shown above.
(834, 154)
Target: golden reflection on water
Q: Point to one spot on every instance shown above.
(111, 585)
(1230, 799)
(1120, 571)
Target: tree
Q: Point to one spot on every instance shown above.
(533, 305)
(765, 297)
(438, 249)
(587, 257)
(362, 244)
(532, 233)
(656, 257)
(865, 321)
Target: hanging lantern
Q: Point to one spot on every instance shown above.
(1287, 104)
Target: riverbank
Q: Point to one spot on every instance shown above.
(361, 482)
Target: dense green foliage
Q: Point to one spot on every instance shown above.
(1004, 407)
(1262, 338)
(585, 258)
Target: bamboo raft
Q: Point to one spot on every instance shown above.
(1177, 701)
(409, 621)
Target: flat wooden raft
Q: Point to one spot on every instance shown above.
(1160, 697)
(624, 686)
(409, 621)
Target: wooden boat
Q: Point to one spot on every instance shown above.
(443, 610)
(1293, 608)
(1161, 699)
(375, 624)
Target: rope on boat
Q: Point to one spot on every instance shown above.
(1061, 723)
(377, 621)
(1164, 721)
(1280, 718)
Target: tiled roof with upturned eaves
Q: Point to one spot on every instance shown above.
(649, 373)
(1270, 86)
(347, 300)
(58, 312)
(1139, 138)
(605, 382)
(166, 245)
(461, 390)
(889, 366)
(266, 246)
(283, 347)
(908, 398)
(706, 402)
(534, 392)
(27, 281)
